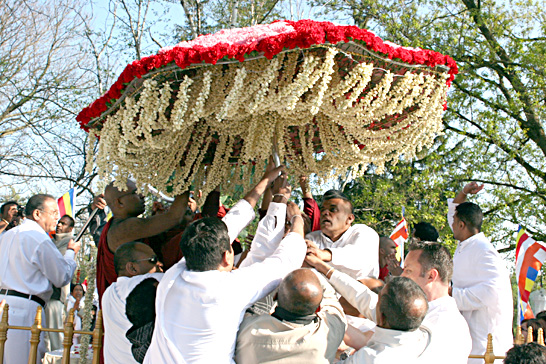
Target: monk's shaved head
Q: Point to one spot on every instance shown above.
(111, 192)
(124, 203)
(386, 243)
(300, 292)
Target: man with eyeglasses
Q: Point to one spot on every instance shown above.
(30, 264)
(135, 263)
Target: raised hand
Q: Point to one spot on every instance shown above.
(472, 188)
(98, 202)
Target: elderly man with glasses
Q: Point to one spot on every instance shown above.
(135, 264)
(30, 264)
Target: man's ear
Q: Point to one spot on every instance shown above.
(432, 275)
(130, 268)
(350, 219)
(380, 319)
(225, 258)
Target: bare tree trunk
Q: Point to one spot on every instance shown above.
(234, 14)
(189, 16)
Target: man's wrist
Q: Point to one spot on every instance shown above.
(6, 221)
(279, 198)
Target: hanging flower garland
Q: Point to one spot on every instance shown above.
(335, 97)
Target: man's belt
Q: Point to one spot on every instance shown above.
(10, 292)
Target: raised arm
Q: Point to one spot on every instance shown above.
(135, 228)
(271, 228)
(261, 278)
(356, 293)
(254, 195)
(470, 188)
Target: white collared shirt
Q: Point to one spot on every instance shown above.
(30, 262)
(117, 348)
(198, 313)
(482, 291)
(355, 253)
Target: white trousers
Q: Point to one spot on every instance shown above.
(54, 320)
(21, 313)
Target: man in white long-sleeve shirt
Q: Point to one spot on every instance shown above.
(201, 300)
(29, 264)
(430, 266)
(352, 249)
(481, 283)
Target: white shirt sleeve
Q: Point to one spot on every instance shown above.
(451, 212)
(330, 303)
(56, 268)
(356, 293)
(260, 279)
(268, 235)
(238, 217)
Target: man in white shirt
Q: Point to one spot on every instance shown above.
(399, 311)
(134, 262)
(353, 250)
(430, 266)
(481, 283)
(201, 300)
(29, 264)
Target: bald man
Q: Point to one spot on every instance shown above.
(387, 248)
(126, 226)
(295, 332)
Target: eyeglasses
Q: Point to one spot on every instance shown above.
(133, 192)
(52, 214)
(152, 260)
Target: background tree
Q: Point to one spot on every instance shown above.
(494, 121)
(41, 80)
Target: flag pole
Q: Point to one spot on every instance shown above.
(86, 225)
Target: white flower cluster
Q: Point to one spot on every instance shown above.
(91, 269)
(299, 100)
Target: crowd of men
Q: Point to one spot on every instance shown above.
(314, 287)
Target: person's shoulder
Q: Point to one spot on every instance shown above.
(314, 235)
(362, 229)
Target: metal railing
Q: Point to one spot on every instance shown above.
(36, 329)
(489, 356)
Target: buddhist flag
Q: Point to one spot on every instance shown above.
(400, 235)
(530, 255)
(66, 204)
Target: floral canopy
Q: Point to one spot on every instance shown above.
(325, 97)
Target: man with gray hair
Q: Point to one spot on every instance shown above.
(399, 311)
(30, 264)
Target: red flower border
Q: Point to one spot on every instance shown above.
(306, 34)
